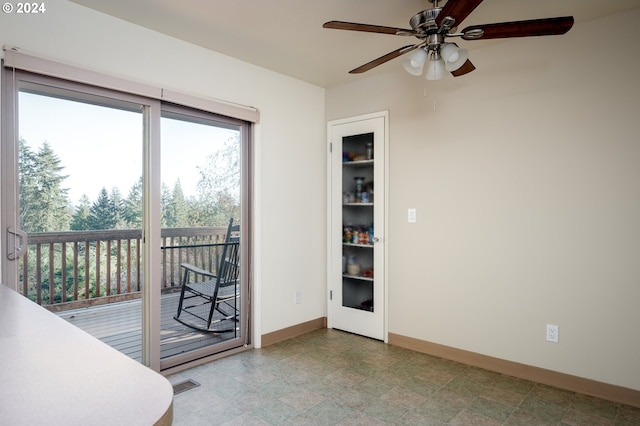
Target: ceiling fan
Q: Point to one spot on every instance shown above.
(435, 25)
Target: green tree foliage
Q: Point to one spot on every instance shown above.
(80, 221)
(117, 207)
(219, 185)
(132, 208)
(44, 203)
(102, 214)
(165, 205)
(45, 206)
(175, 208)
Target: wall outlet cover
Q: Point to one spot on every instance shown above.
(552, 333)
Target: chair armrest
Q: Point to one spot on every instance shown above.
(196, 270)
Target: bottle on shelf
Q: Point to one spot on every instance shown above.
(369, 146)
(359, 188)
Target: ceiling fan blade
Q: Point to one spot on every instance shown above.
(457, 9)
(535, 27)
(382, 59)
(352, 26)
(466, 68)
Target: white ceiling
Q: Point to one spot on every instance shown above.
(287, 35)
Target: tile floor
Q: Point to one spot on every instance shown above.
(329, 377)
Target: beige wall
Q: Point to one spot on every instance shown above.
(291, 250)
(526, 179)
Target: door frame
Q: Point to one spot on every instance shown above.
(334, 249)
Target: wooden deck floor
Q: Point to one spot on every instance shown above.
(119, 325)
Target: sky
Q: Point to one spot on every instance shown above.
(102, 147)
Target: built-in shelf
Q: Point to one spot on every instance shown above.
(357, 277)
(358, 245)
(358, 163)
(358, 204)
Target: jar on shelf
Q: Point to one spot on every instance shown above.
(363, 237)
(359, 187)
(353, 267)
(369, 151)
(348, 198)
(347, 234)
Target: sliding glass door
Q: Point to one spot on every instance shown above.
(202, 186)
(105, 196)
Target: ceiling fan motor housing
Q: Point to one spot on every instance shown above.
(425, 21)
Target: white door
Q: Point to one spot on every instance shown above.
(357, 224)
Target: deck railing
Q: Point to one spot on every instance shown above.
(60, 270)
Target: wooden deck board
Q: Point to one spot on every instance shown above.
(119, 325)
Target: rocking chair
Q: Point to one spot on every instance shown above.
(213, 297)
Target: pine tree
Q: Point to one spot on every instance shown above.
(80, 221)
(175, 212)
(165, 203)
(27, 185)
(101, 212)
(132, 209)
(44, 203)
(117, 209)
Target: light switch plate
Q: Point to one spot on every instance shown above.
(411, 215)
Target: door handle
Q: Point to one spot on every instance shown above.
(15, 250)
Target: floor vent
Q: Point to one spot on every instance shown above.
(184, 386)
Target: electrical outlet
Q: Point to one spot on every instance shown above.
(552, 333)
(297, 297)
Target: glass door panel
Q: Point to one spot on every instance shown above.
(357, 278)
(201, 194)
(79, 172)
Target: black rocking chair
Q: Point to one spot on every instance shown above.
(212, 298)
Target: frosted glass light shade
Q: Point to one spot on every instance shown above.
(435, 69)
(449, 52)
(414, 63)
(453, 56)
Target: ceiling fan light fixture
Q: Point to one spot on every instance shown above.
(414, 63)
(435, 67)
(434, 25)
(453, 56)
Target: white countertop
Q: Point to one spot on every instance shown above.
(54, 373)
